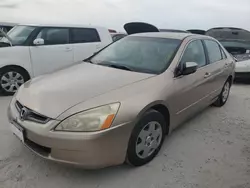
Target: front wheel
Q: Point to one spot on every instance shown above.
(11, 79)
(223, 97)
(146, 139)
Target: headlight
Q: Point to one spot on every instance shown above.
(91, 120)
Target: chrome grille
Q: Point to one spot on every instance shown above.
(18, 106)
(30, 115)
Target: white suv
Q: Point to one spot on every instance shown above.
(32, 50)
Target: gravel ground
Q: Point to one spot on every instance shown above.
(211, 150)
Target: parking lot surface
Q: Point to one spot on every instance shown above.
(210, 151)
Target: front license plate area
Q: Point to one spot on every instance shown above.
(17, 131)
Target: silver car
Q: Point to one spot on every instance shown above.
(120, 104)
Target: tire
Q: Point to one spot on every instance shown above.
(223, 97)
(11, 78)
(141, 148)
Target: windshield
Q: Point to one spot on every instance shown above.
(18, 35)
(140, 54)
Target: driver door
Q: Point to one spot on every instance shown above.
(191, 90)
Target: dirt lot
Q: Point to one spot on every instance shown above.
(210, 151)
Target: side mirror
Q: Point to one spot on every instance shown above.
(38, 42)
(189, 68)
(234, 58)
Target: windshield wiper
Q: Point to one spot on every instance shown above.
(123, 67)
(117, 66)
(88, 60)
(4, 44)
(4, 35)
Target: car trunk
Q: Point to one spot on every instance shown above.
(197, 31)
(139, 27)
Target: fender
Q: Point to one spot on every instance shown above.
(16, 56)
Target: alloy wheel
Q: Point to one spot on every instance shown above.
(11, 81)
(149, 139)
(225, 92)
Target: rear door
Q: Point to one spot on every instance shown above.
(85, 41)
(216, 73)
(56, 53)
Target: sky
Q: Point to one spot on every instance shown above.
(165, 14)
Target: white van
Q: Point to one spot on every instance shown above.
(32, 50)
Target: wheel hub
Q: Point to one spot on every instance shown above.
(149, 139)
(225, 92)
(11, 81)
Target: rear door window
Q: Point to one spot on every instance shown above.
(85, 35)
(213, 50)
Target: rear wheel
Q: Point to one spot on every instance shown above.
(11, 78)
(223, 97)
(147, 138)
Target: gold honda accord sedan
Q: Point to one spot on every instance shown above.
(118, 105)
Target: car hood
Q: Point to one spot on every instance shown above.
(54, 93)
(243, 63)
(229, 33)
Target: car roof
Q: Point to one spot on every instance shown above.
(61, 25)
(7, 24)
(172, 35)
(113, 34)
(173, 30)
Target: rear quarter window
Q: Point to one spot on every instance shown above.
(84, 35)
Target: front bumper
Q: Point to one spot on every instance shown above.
(89, 150)
(242, 75)
(242, 70)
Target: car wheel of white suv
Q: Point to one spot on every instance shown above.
(11, 78)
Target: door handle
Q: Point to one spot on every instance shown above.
(226, 66)
(207, 74)
(68, 49)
